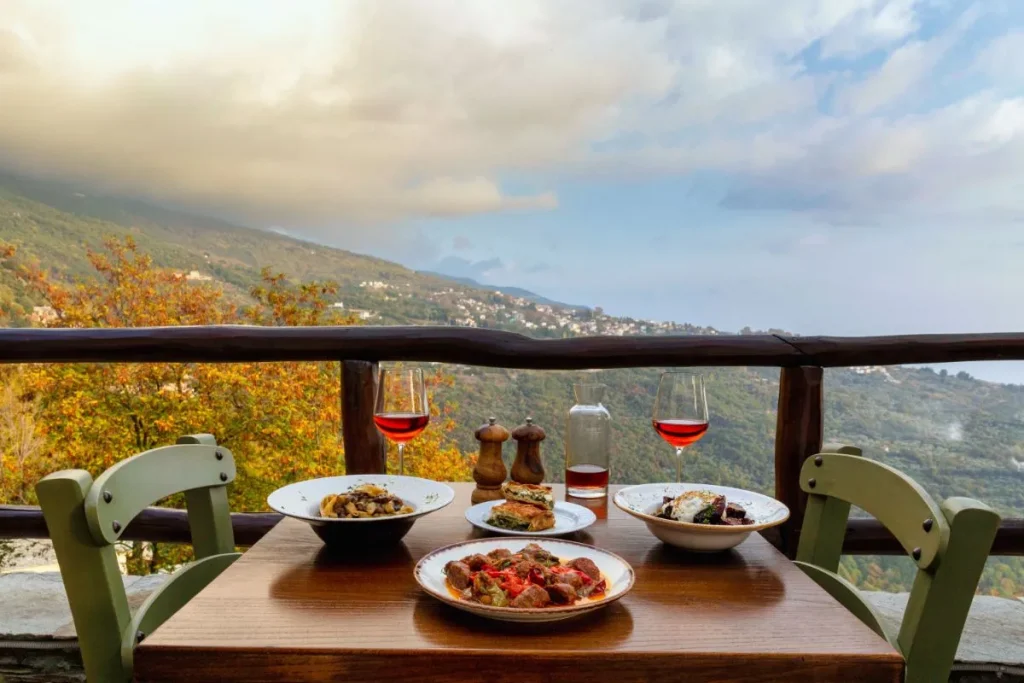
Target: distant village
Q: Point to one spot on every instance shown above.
(497, 310)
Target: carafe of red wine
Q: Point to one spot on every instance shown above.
(588, 443)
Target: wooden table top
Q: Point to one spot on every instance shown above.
(289, 610)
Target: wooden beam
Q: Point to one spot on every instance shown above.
(165, 525)
(160, 525)
(468, 346)
(798, 435)
(364, 447)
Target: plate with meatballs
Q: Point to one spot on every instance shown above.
(701, 517)
(511, 580)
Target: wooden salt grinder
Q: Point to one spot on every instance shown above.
(528, 467)
(489, 472)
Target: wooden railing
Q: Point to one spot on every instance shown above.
(800, 413)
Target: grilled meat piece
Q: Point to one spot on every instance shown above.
(571, 578)
(562, 594)
(734, 521)
(523, 568)
(735, 510)
(502, 553)
(538, 554)
(533, 596)
(586, 566)
(476, 562)
(458, 574)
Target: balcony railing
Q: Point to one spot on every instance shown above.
(800, 414)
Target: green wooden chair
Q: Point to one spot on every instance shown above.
(948, 542)
(85, 518)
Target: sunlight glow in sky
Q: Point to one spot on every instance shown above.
(841, 167)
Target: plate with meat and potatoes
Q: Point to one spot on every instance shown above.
(516, 580)
(701, 517)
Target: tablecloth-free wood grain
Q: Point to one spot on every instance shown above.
(290, 610)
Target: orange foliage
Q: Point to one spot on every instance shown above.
(281, 420)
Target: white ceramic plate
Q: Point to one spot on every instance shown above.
(301, 500)
(569, 517)
(644, 501)
(430, 576)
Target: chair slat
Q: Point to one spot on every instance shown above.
(849, 597)
(887, 494)
(130, 486)
(182, 586)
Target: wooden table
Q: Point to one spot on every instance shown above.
(289, 610)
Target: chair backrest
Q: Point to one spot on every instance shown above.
(948, 542)
(85, 518)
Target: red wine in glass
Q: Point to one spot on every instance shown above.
(680, 412)
(680, 433)
(401, 412)
(401, 427)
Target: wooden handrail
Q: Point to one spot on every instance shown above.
(167, 525)
(360, 347)
(462, 345)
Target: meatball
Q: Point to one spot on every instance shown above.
(562, 594)
(502, 553)
(538, 554)
(571, 578)
(523, 568)
(533, 596)
(586, 566)
(476, 562)
(458, 574)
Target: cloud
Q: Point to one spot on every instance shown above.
(456, 266)
(311, 111)
(327, 116)
(461, 243)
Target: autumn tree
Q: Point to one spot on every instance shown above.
(281, 420)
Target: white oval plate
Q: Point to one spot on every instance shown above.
(429, 573)
(569, 517)
(644, 501)
(301, 500)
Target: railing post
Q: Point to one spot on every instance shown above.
(798, 435)
(364, 447)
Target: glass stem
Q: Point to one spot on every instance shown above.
(679, 464)
(401, 458)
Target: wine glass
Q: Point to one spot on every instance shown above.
(680, 412)
(401, 411)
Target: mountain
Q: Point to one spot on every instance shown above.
(956, 435)
(511, 291)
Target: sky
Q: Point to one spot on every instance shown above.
(842, 167)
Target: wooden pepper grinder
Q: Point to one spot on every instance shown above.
(528, 467)
(490, 469)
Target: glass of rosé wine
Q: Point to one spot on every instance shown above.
(401, 412)
(681, 412)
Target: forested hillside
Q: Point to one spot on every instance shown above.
(955, 434)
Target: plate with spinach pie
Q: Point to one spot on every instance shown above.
(529, 510)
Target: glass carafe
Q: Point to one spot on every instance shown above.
(588, 443)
